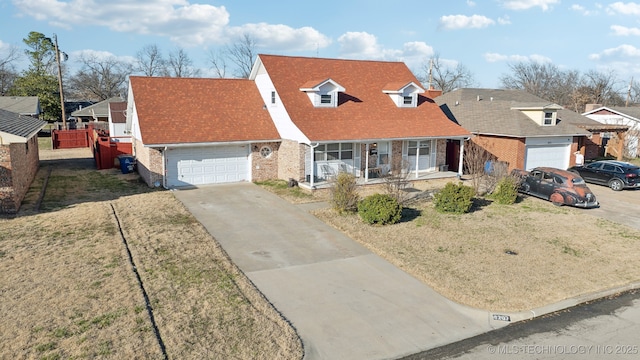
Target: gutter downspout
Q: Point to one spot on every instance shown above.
(313, 164)
(461, 160)
(164, 169)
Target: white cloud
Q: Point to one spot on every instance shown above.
(582, 10)
(504, 20)
(455, 22)
(99, 55)
(471, 3)
(622, 51)
(528, 4)
(282, 37)
(184, 23)
(625, 31)
(630, 8)
(362, 45)
(495, 57)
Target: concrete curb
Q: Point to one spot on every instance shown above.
(561, 305)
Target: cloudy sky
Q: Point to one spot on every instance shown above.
(483, 35)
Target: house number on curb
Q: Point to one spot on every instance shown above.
(501, 317)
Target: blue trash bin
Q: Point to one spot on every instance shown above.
(126, 163)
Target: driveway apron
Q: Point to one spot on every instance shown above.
(344, 301)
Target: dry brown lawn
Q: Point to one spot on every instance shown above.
(560, 252)
(67, 289)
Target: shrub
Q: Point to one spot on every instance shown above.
(380, 209)
(454, 198)
(506, 191)
(344, 193)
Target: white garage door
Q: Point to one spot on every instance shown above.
(207, 165)
(556, 156)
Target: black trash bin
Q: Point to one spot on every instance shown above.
(126, 163)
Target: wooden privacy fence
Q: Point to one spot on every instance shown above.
(70, 139)
(106, 151)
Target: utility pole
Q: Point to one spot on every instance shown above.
(64, 115)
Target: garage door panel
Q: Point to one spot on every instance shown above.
(556, 156)
(207, 165)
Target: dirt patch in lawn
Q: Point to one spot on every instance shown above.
(502, 258)
(68, 289)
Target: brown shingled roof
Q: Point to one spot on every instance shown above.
(364, 111)
(192, 110)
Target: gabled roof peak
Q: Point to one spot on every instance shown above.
(398, 87)
(315, 85)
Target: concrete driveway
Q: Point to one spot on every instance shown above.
(618, 206)
(344, 301)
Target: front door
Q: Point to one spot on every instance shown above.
(418, 155)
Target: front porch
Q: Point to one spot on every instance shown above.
(361, 181)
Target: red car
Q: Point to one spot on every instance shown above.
(561, 187)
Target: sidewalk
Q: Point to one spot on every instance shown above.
(344, 301)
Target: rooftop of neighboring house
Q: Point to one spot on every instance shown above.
(19, 125)
(503, 112)
(25, 105)
(365, 109)
(200, 110)
(99, 109)
(118, 110)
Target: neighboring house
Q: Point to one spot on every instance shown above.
(23, 105)
(354, 116)
(117, 121)
(294, 118)
(19, 157)
(96, 112)
(628, 116)
(522, 129)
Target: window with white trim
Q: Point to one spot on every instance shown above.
(273, 97)
(333, 151)
(548, 118)
(326, 99)
(412, 148)
(408, 100)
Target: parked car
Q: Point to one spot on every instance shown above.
(617, 175)
(561, 187)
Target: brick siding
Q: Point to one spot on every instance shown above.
(148, 162)
(264, 168)
(509, 150)
(291, 160)
(18, 167)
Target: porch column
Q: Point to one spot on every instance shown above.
(366, 163)
(417, 157)
(461, 158)
(621, 138)
(313, 160)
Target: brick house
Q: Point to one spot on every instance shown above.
(294, 118)
(19, 158)
(617, 115)
(522, 129)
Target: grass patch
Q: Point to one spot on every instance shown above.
(83, 300)
(294, 194)
(485, 258)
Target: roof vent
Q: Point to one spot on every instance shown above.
(479, 98)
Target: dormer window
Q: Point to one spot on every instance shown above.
(542, 114)
(403, 94)
(323, 93)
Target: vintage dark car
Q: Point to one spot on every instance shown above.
(561, 187)
(617, 175)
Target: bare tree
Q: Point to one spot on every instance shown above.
(533, 77)
(475, 160)
(100, 79)
(149, 61)
(447, 77)
(8, 72)
(243, 54)
(180, 64)
(396, 179)
(218, 62)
